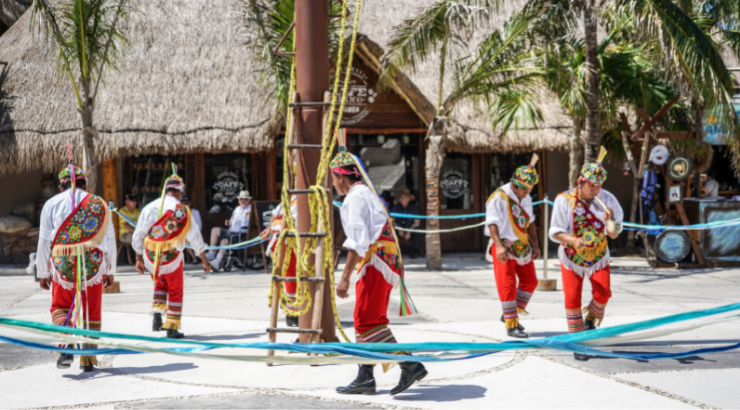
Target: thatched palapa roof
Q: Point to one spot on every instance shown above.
(12, 10)
(470, 126)
(188, 83)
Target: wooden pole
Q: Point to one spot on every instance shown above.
(110, 188)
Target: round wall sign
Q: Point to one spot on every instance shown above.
(679, 168)
(672, 246)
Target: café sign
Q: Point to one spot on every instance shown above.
(453, 184)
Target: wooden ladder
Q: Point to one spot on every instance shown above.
(319, 279)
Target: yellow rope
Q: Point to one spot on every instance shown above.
(319, 203)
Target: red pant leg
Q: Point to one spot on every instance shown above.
(159, 304)
(290, 287)
(91, 302)
(373, 294)
(527, 284)
(505, 274)
(572, 288)
(174, 284)
(601, 293)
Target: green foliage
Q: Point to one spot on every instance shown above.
(267, 22)
(86, 34)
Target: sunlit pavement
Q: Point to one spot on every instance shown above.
(459, 303)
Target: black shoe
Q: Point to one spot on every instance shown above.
(517, 332)
(520, 327)
(87, 368)
(174, 334)
(411, 372)
(64, 361)
(157, 322)
(363, 384)
(291, 321)
(589, 324)
(581, 357)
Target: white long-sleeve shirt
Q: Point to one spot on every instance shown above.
(562, 222)
(240, 219)
(54, 213)
(150, 215)
(497, 213)
(363, 219)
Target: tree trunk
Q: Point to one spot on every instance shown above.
(576, 152)
(593, 131)
(434, 157)
(90, 161)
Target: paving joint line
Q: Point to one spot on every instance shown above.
(639, 386)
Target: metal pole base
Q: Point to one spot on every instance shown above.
(547, 284)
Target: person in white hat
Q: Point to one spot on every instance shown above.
(238, 223)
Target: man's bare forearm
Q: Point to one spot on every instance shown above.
(532, 231)
(493, 230)
(349, 267)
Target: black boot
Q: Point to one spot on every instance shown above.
(581, 357)
(410, 372)
(64, 361)
(519, 326)
(87, 368)
(157, 322)
(517, 332)
(291, 321)
(589, 324)
(363, 384)
(174, 334)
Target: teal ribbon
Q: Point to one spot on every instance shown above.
(565, 342)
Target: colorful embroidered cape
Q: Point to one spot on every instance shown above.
(590, 228)
(518, 249)
(166, 235)
(384, 256)
(83, 231)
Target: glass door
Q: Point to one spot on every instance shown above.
(459, 194)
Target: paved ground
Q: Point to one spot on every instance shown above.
(459, 303)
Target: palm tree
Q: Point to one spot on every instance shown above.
(88, 40)
(688, 36)
(497, 71)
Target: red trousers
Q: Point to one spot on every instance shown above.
(290, 287)
(92, 301)
(573, 288)
(168, 294)
(373, 294)
(513, 299)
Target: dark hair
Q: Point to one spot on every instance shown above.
(173, 191)
(354, 176)
(79, 183)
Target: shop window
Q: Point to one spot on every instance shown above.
(392, 162)
(503, 167)
(456, 182)
(225, 176)
(147, 174)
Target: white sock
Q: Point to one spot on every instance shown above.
(210, 255)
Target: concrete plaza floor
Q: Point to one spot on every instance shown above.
(459, 303)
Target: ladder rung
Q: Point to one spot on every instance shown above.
(305, 146)
(300, 191)
(310, 104)
(291, 330)
(306, 235)
(282, 279)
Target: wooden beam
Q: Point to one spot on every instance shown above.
(676, 135)
(649, 124)
(694, 245)
(110, 188)
(386, 131)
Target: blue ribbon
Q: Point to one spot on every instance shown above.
(565, 342)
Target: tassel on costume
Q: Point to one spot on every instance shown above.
(512, 323)
(171, 324)
(88, 360)
(389, 365)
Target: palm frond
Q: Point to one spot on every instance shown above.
(691, 58)
(514, 107)
(731, 38)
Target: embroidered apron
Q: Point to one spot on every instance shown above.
(83, 230)
(590, 229)
(165, 236)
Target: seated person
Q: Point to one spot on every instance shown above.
(239, 223)
(709, 186)
(199, 222)
(125, 229)
(404, 206)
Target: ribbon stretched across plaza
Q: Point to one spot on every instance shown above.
(581, 342)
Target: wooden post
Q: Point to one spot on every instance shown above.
(272, 336)
(110, 188)
(545, 283)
